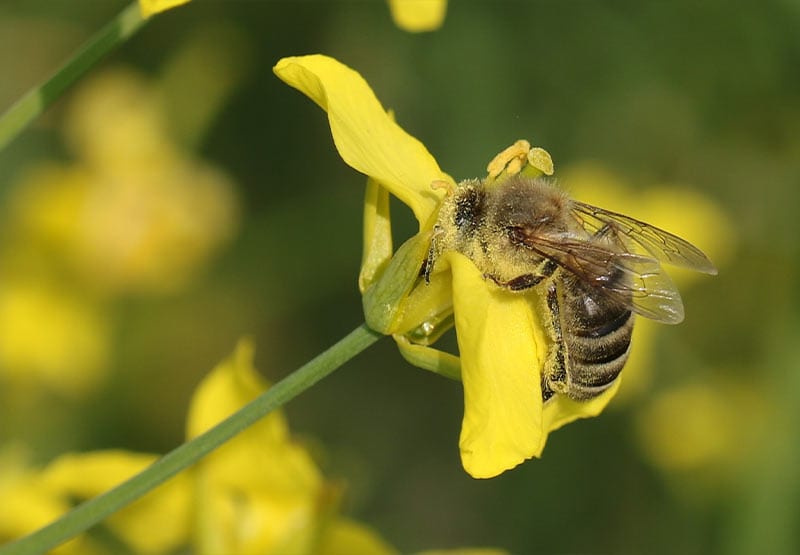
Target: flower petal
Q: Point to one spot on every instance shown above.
(562, 410)
(416, 16)
(377, 248)
(353, 538)
(365, 136)
(140, 524)
(259, 492)
(499, 340)
(151, 7)
(383, 299)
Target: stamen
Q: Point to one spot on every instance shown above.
(511, 159)
(540, 159)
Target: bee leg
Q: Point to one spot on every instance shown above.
(526, 281)
(427, 264)
(554, 377)
(519, 283)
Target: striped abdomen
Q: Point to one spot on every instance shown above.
(597, 337)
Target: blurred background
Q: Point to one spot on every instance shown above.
(180, 197)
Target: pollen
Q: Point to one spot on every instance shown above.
(510, 160)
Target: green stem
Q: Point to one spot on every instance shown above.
(37, 100)
(95, 510)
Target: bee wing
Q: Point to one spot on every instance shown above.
(662, 245)
(646, 288)
(636, 281)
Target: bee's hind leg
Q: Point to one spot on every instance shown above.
(526, 281)
(554, 375)
(519, 283)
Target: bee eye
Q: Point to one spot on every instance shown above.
(469, 209)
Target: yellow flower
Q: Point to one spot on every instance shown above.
(418, 16)
(501, 342)
(708, 433)
(260, 493)
(31, 499)
(152, 7)
(48, 336)
(134, 212)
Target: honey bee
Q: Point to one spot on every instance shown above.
(594, 271)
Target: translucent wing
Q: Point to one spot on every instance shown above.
(662, 245)
(633, 280)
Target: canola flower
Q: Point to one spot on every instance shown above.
(133, 212)
(260, 493)
(50, 336)
(502, 344)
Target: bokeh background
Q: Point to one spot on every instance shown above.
(181, 197)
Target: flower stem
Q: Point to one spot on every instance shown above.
(95, 510)
(38, 99)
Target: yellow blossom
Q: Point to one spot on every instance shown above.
(152, 7)
(502, 344)
(31, 499)
(418, 16)
(260, 493)
(50, 336)
(134, 212)
(706, 433)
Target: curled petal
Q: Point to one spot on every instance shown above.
(377, 247)
(501, 350)
(365, 136)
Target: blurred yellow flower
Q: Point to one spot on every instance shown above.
(417, 16)
(705, 432)
(49, 336)
(260, 493)
(32, 499)
(501, 341)
(152, 7)
(135, 213)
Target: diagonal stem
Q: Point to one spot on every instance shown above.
(95, 510)
(38, 99)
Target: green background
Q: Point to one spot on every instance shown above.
(705, 94)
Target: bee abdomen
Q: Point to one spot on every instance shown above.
(597, 353)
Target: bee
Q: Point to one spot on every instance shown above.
(594, 271)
